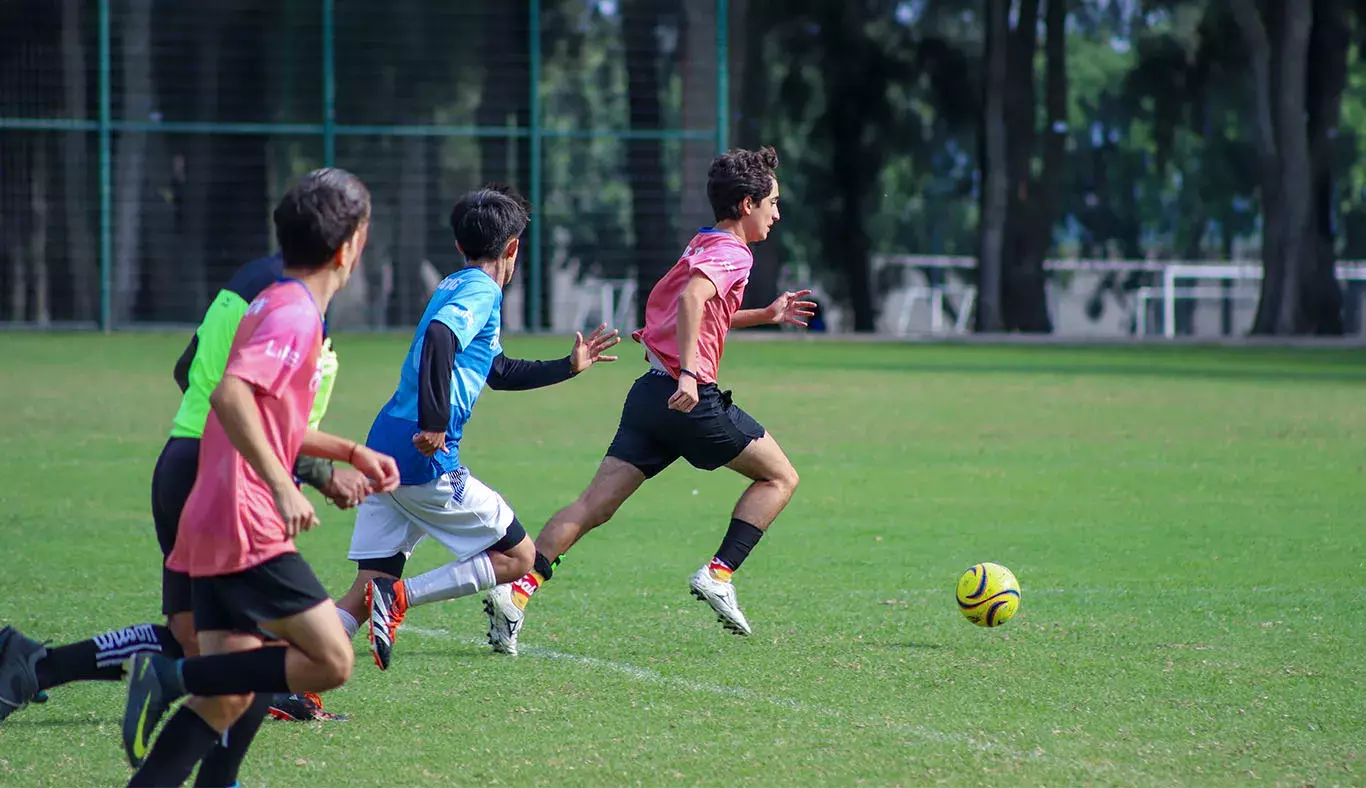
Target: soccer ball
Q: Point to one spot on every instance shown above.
(988, 594)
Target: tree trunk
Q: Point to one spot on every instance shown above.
(199, 167)
(749, 103)
(80, 235)
(697, 66)
(412, 236)
(1259, 52)
(38, 247)
(1296, 177)
(645, 158)
(130, 157)
(995, 199)
(505, 100)
(1320, 293)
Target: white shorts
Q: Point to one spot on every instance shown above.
(457, 510)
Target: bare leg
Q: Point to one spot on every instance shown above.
(614, 482)
(775, 480)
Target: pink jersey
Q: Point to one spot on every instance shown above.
(230, 523)
(726, 261)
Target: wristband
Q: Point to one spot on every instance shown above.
(351, 458)
(685, 371)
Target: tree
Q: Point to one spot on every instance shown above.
(1011, 285)
(1299, 288)
(650, 203)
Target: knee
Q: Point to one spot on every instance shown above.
(335, 666)
(786, 479)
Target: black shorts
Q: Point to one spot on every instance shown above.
(171, 484)
(651, 436)
(240, 602)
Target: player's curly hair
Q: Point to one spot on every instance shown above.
(737, 174)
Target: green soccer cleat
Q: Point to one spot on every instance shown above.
(152, 688)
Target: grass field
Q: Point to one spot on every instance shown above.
(1186, 525)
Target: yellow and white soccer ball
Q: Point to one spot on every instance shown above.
(988, 594)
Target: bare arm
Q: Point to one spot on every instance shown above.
(234, 401)
(748, 318)
(327, 446)
(696, 293)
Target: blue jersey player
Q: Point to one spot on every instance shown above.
(455, 350)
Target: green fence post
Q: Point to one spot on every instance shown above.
(722, 75)
(106, 177)
(535, 259)
(329, 87)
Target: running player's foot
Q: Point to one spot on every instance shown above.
(505, 619)
(721, 596)
(19, 657)
(301, 707)
(153, 685)
(387, 605)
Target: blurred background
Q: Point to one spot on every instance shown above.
(1085, 168)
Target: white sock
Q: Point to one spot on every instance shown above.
(451, 581)
(348, 622)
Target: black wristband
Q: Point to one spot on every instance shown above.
(685, 371)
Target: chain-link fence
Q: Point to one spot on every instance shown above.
(144, 142)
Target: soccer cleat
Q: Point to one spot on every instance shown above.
(721, 597)
(386, 613)
(301, 707)
(152, 688)
(505, 619)
(19, 657)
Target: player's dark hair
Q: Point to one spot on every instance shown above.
(737, 174)
(486, 219)
(318, 215)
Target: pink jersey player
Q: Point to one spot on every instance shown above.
(725, 261)
(676, 410)
(230, 522)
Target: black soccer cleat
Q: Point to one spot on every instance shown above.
(19, 657)
(152, 688)
(301, 707)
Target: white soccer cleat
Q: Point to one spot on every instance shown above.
(505, 619)
(721, 597)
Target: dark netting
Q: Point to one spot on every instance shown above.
(213, 109)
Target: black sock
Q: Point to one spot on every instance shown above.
(543, 566)
(183, 742)
(101, 658)
(259, 670)
(741, 537)
(220, 766)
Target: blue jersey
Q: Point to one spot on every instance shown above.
(467, 302)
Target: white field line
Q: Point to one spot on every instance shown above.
(651, 676)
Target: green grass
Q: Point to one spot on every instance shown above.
(1186, 525)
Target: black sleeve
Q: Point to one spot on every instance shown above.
(182, 364)
(515, 374)
(313, 471)
(434, 378)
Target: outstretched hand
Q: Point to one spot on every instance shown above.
(792, 309)
(587, 352)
